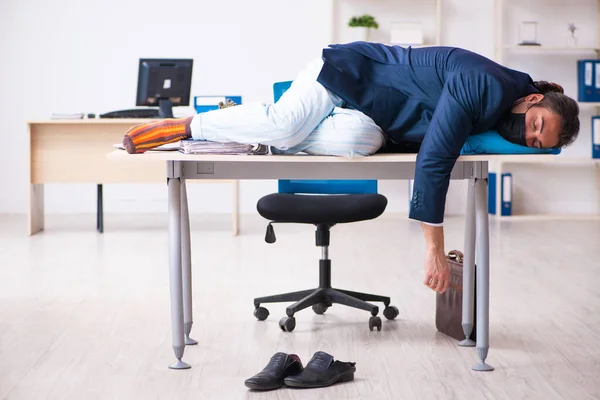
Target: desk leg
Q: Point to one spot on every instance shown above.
(100, 209)
(236, 207)
(469, 269)
(597, 180)
(483, 273)
(36, 208)
(498, 199)
(186, 261)
(175, 272)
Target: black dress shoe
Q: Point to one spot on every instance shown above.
(322, 370)
(271, 377)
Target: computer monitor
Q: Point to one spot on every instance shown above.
(164, 83)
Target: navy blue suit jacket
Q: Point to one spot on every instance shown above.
(433, 96)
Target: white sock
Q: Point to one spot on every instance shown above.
(196, 127)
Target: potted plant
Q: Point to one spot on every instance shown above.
(360, 27)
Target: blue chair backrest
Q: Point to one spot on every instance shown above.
(341, 186)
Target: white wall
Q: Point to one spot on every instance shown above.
(74, 56)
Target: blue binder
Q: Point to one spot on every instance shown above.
(506, 187)
(506, 193)
(588, 80)
(492, 193)
(207, 103)
(596, 136)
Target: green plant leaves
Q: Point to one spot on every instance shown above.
(366, 20)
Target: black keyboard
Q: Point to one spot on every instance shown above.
(132, 113)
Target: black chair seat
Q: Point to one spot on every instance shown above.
(321, 209)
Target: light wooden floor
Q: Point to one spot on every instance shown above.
(86, 316)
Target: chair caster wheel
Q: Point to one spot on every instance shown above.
(287, 324)
(261, 313)
(319, 308)
(375, 322)
(390, 312)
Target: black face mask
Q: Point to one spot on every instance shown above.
(512, 127)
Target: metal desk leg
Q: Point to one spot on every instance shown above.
(483, 273)
(597, 180)
(186, 261)
(469, 268)
(236, 208)
(175, 271)
(499, 170)
(100, 209)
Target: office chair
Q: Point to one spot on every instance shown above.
(303, 202)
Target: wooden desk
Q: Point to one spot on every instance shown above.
(74, 151)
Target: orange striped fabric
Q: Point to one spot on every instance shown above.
(143, 137)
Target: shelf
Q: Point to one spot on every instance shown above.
(588, 104)
(545, 217)
(414, 46)
(551, 49)
(337, 25)
(573, 161)
(558, 160)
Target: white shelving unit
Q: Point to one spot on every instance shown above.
(550, 49)
(339, 24)
(501, 49)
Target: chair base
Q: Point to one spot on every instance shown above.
(321, 299)
(324, 296)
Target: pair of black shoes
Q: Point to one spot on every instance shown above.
(286, 369)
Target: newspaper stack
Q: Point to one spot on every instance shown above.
(207, 147)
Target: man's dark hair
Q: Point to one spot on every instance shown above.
(558, 103)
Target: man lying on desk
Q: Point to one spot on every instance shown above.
(361, 97)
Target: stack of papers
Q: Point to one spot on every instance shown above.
(203, 147)
(66, 116)
(165, 147)
(206, 147)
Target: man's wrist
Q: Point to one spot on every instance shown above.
(434, 237)
(432, 224)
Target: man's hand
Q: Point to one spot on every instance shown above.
(437, 271)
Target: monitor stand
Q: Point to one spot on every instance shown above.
(165, 108)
